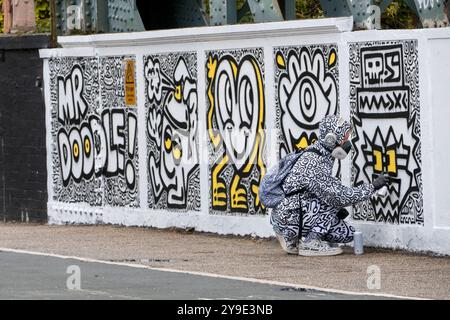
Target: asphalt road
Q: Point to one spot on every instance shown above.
(27, 276)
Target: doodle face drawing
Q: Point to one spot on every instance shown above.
(172, 139)
(306, 83)
(235, 123)
(384, 97)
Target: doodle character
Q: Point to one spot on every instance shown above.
(235, 121)
(173, 128)
(307, 91)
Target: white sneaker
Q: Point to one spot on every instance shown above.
(289, 248)
(318, 247)
(334, 244)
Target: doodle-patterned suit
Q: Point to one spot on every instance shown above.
(323, 194)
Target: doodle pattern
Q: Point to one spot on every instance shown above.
(172, 134)
(385, 109)
(323, 195)
(306, 86)
(92, 159)
(120, 124)
(75, 107)
(235, 123)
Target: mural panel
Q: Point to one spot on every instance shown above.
(171, 101)
(385, 108)
(90, 149)
(119, 121)
(306, 90)
(75, 115)
(236, 123)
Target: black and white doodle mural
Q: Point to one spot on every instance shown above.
(171, 101)
(385, 109)
(306, 90)
(119, 121)
(93, 161)
(235, 123)
(75, 113)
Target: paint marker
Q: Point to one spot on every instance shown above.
(358, 245)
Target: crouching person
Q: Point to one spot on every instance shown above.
(320, 206)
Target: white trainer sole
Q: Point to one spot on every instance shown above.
(310, 253)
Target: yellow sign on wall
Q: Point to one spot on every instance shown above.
(130, 83)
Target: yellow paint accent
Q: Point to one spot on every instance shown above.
(280, 61)
(76, 150)
(234, 68)
(168, 144)
(378, 165)
(178, 95)
(87, 145)
(259, 140)
(392, 167)
(212, 67)
(218, 198)
(257, 152)
(177, 153)
(302, 144)
(332, 58)
(238, 195)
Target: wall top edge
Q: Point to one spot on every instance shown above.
(212, 33)
(63, 52)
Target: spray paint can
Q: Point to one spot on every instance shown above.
(358, 244)
(383, 192)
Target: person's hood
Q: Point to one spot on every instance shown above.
(333, 124)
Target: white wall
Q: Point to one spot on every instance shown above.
(429, 224)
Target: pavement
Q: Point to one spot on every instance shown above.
(37, 277)
(243, 262)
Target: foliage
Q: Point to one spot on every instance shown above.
(1, 16)
(42, 12)
(399, 16)
(308, 9)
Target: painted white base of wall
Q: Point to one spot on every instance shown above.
(401, 237)
(258, 226)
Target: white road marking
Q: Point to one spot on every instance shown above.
(213, 275)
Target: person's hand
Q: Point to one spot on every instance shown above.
(380, 182)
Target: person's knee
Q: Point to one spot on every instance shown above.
(349, 235)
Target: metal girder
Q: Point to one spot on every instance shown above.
(431, 12)
(222, 12)
(188, 13)
(265, 10)
(335, 8)
(123, 16)
(366, 13)
(288, 9)
(225, 11)
(91, 16)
